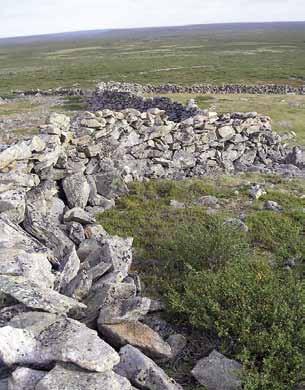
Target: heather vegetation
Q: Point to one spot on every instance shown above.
(243, 289)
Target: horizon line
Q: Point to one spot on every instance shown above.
(148, 27)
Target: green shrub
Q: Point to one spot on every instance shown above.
(206, 244)
(256, 312)
(278, 233)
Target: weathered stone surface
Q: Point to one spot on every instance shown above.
(118, 252)
(77, 190)
(138, 335)
(226, 132)
(107, 295)
(36, 297)
(68, 268)
(177, 343)
(78, 215)
(25, 378)
(16, 242)
(110, 184)
(12, 204)
(76, 232)
(59, 121)
(131, 309)
(33, 266)
(68, 377)
(142, 371)
(43, 216)
(37, 338)
(21, 151)
(216, 372)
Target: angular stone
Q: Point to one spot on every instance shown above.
(217, 372)
(68, 268)
(177, 343)
(43, 217)
(142, 371)
(14, 239)
(12, 203)
(110, 184)
(32, 266)
(59, 121)
(21, 151)
(25, 378)
(106, 294)
(36, 297)
(80, 286)
(67, 376)
(131, 309)
(226, 132)
(138, 335)
(77, 190)
(118, 252)
(36, 338)
(78, 215)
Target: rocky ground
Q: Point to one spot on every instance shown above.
(73, 311)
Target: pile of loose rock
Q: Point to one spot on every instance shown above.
(65, 284)
(68, 301)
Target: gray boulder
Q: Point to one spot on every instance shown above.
(216, 372)
(142, 371)
(69, 377)
(36, 338)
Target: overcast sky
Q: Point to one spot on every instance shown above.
(29, 17)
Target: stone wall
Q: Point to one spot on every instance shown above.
(260, 89)
(68, 299)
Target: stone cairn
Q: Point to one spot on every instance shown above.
(68, 300)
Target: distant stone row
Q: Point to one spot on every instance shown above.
(260, 89)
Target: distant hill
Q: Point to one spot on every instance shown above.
(147, 31)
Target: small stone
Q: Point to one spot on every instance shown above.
(217, 372)
(142, 371)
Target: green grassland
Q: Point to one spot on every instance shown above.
(258, 53)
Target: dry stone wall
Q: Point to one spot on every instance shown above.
(68, 300)
(260, 89)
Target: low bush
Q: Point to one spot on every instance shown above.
(257, 313)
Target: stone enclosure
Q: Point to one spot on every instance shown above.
(72, 312)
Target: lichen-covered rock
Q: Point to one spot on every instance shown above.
(77, 190)
(35, 296)
(12, 204)
(36, 338)
(216, 372)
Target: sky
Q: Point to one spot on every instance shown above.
(31, 17)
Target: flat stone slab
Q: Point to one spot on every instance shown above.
(37, 338)
(36, 297)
